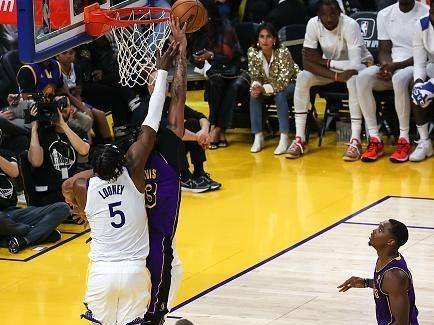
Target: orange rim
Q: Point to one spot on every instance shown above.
(99, 21)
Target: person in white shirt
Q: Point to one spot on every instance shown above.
(395, 71)
(344, 54)
(423, 75)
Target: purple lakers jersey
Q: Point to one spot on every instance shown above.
(383, 312)
(162, 186)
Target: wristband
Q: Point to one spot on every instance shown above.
(366, 283)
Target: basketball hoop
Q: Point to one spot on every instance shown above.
(139, 33)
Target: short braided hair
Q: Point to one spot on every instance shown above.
(108, 161)
(322, 3)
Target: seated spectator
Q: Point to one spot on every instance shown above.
(13, 137)
(395, 26)
(423, 89)
(344, 54)
(72, 79)
(216, 49)
(196, 140)
(20, 228)
(53, 153)
(273, 73)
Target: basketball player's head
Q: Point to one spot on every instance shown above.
(107, 162)
(406, 2)
(328, 12)
(267, 37)
(390, 234)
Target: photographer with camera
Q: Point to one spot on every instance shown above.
(20, 228)
(53, 152)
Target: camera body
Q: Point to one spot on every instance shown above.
(46, 108)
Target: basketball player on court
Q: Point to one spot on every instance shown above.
(118, 282)
(163, 195)
(392, 282)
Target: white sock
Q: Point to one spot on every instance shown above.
(300, 125)
(404, 133)
(356, 128)
(373, 133)
(423, 131)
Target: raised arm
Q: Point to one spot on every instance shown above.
(179, 87)
(139, 151)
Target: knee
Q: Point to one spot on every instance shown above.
(401, 81)
(362, 81)
(304, 79)
(61, 208)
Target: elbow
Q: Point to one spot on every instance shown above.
(84, 149)
(14, 172)
(35, 160)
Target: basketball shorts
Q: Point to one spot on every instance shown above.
(118, 293)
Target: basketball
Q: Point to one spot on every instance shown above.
(191, 12)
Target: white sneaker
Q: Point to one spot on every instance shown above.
(258, 143)
(422, 151)
(283, 145)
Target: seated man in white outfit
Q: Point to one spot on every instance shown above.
(423, 90)
(341, 41)
(395, 26)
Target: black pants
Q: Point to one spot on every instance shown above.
(222, 95)
(197, 153)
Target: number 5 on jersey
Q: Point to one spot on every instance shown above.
(114, 213)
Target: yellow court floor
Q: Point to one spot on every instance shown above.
(267, 203)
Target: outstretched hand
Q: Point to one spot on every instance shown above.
(353, 282)
(178, 32)
(165, 61)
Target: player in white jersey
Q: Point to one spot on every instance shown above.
(344, 54)
(423, 90)
(395, 71)
(118, 288)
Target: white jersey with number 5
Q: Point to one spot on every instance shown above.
(118, 221)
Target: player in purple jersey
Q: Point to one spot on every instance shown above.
(392, 283)
(163, 195)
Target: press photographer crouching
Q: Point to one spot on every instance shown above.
(54, 150)
(20, 228)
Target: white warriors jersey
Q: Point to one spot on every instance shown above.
(118, 221)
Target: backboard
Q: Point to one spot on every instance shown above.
(49, 27)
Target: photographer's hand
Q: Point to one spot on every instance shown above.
(60, 122)
(35, 153)
(79, 145)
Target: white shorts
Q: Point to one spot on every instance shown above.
(118, 293)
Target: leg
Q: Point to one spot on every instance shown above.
(281, 100)
(366, 83)
(255, 108)
(102, 126)
(216, 87)
(401, 83)
(163, 220)
(305, 80)
(44, 220)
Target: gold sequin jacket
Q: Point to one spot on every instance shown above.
(283, 69)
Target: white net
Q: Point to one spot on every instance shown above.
(138, 45)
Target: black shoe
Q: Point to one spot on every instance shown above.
(212, 183)
(16, 244)
(184, 322)
(195, 185)
(53, 237)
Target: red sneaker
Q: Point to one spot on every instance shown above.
(402, 151)
(373, 151)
